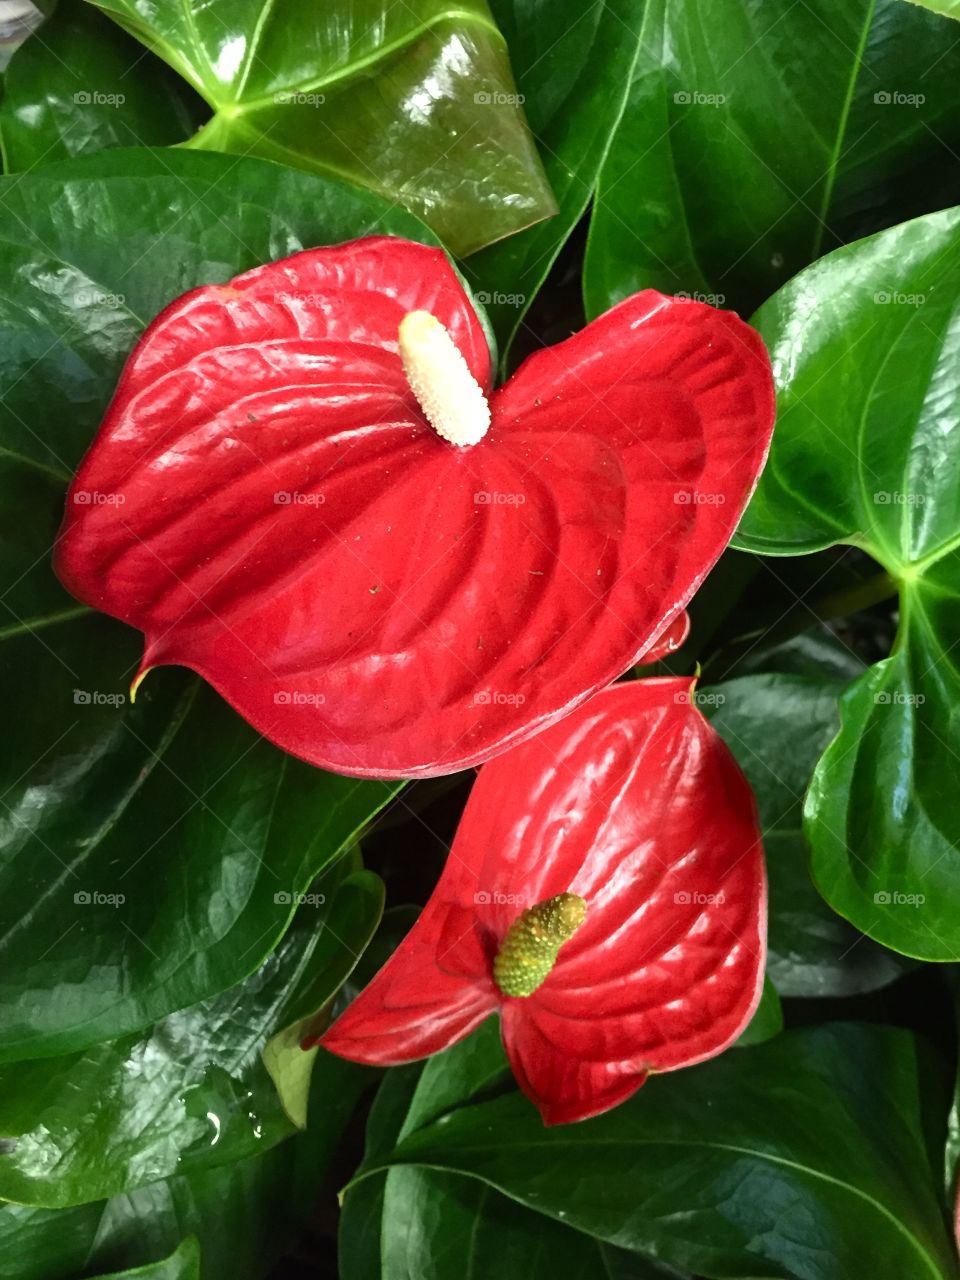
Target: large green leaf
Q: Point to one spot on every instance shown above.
(190, 1091)
(759, 135)
(245, 1214)
(573, 61)
(949, 8)
(802, 1157)
(205, 830)
(81, 84)
(777, 726)
(414, 1223)
(414, 100)
(865, 348)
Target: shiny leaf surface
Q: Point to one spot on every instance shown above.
(80, 85)
(244, 1214)
(480, 592)
(173, 803)
(633, 804)
(802, 1157)
(865, 347)
(190, 1092)
(778, 726)
(415, 101)
(815, 123)
(184, 1264)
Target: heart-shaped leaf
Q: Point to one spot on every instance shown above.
(864, 347)
(191, 1091)
(479, 592)
(743, 1166)
(816, 123)
(174, 803)
(778, 726)
(80, 85)
(416, 102)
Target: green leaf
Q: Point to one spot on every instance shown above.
(175, 804)
(573, 61)
(415, 101)
(356, 913)
(865, 347)
(191, 1091)
(80, 85)
(183, 1264)
(805, 1156)
(758, 136)
(777, 726)
(244, 1214)
(417, 1224)
(949, 8)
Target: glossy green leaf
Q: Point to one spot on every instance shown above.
(418, 1224)
(205, 830)
(183, 1264)
(245, 1214)
(191, 1091)
(949, 8)
(573, 61)
(760, 135)
(414, 100)
(778, 726)
(865, 348)
(803, 1157)
(80, 84)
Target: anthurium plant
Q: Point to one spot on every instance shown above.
(480, 572)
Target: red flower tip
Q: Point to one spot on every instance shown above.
(274, 504)
(605, 891)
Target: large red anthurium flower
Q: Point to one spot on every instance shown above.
(605, 892)
(304, 490)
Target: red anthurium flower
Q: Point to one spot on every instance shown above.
(304, 491)
(605, 892)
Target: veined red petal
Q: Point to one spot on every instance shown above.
(266, 501)
(634, 803)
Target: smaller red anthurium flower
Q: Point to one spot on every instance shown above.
(605, 892)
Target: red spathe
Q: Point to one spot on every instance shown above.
(635, 804)
(267, 503)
